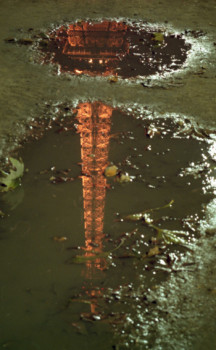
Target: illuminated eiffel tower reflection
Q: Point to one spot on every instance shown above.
(94, 128)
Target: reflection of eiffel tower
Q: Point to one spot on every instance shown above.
(96, 41)
(94, 128)
(88, 48)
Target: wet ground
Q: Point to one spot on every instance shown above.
(76, 269)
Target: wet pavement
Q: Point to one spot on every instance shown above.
(74, 278)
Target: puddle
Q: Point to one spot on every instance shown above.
(81, 264)
(114, 48)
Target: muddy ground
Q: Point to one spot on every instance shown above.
(26, 86)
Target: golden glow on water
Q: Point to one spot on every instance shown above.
(94, 128)
(98, 43)
(97, 40)
(114, 48)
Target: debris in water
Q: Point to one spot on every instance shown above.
(10, 40)
(154, 251)
(170, 236)
(141, 215)
(113, 79)
(11, 179)
(123, 177)
(158, 37)
(111, 171)
(25, 41)
(60, 179)
(60, 239)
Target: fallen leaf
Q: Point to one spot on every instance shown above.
(11, 180)
(111, 171)
(170, 236)
(159, 37)
(154, 251)
(113, 79)
(121, 178)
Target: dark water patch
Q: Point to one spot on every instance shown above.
(80, 269)
(113, 48)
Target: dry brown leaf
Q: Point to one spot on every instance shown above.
(154, 251)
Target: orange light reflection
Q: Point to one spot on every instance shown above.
(98, 43)
(94, 128)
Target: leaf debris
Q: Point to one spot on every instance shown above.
(11, 179)
(141, 215)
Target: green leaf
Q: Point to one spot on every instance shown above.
(11, 179)
(169, 236)
(159, 37)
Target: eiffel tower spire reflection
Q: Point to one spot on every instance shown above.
(94, 128)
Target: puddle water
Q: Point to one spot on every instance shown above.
(81, 264)
(113, 48)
